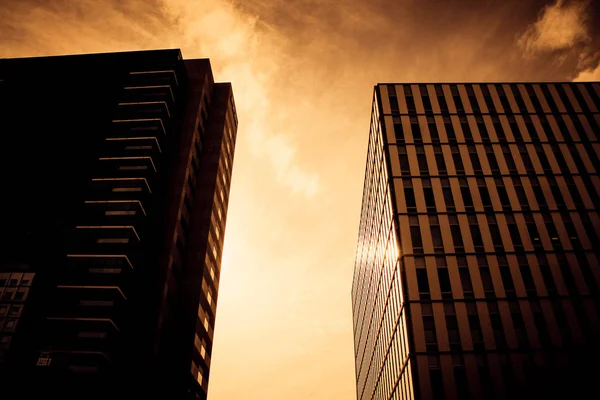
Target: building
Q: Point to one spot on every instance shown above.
(116, 172)
(477, 268)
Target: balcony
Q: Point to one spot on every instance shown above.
(98, 270)
(135, 110)
(137, 127)
(105, 240)
(76, 301)
(149, 78)
(120, 188)
(76, 335)
(114, 212)
(127, 166)
(133, 146)
(148, 93)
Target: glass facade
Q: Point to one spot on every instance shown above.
(478, 243)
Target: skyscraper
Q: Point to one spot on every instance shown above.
(115, 172)
(478, 263)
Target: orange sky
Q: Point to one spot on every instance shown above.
(303, 73)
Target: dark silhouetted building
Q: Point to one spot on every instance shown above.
(477, 268)
(115, 174)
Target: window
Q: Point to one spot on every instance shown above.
(475, 326)
(547, 275)
(513, 230)
(526, 275)
(459, 245)
(587, 225)
(425, 98)
(426, 309)
(543, 159)
(503, 99)
(510, 162)
(433, 131)
(422, 282)
(506, 276)
(11, 325)
(21, 294)
(458, 164)
(429, 197)
(518, 323)
(495, 232)
(587, 273)
(444, 279)
(416, 130)
(422, 160)
(573, 191)
(436, 236)
(409, 196)
(496, 323)
(566, 273)
(448, 199)
(502, 194)
(449, 130)
(441, 164)
(491, 157)
(437, 383)
(464, 124)
(539, 193)
(521, 196)
(442, 100)
(462, 383)
(484, 193)
(475, 160)
(534, 99)
(430, 334)
(467, 199)
(394, 105)
(486, 280)
(465, 279)
(475, 233)
(483, 132)
(457, 100)
(404, 165)
(530, 128)
(533, 231)
(417, 242)
(498, 128)
(453, 334)
(551, 228)
(398, 130)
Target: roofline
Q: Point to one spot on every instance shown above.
(479, 82)
(93, 54)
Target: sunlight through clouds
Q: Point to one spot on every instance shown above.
(588, 75)
(559, 26)
(245, 56)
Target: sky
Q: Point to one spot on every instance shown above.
(303, 73)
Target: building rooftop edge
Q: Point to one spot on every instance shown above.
(476, 82)
(96, 53)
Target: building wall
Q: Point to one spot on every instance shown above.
(135, 151)
(495, 188)
(380, 323)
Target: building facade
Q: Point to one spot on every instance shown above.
(478, 264)
(116, 172)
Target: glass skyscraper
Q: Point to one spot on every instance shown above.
(477, 270)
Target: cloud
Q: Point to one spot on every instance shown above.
(588, 75)
(559, 26)
(240, 50)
